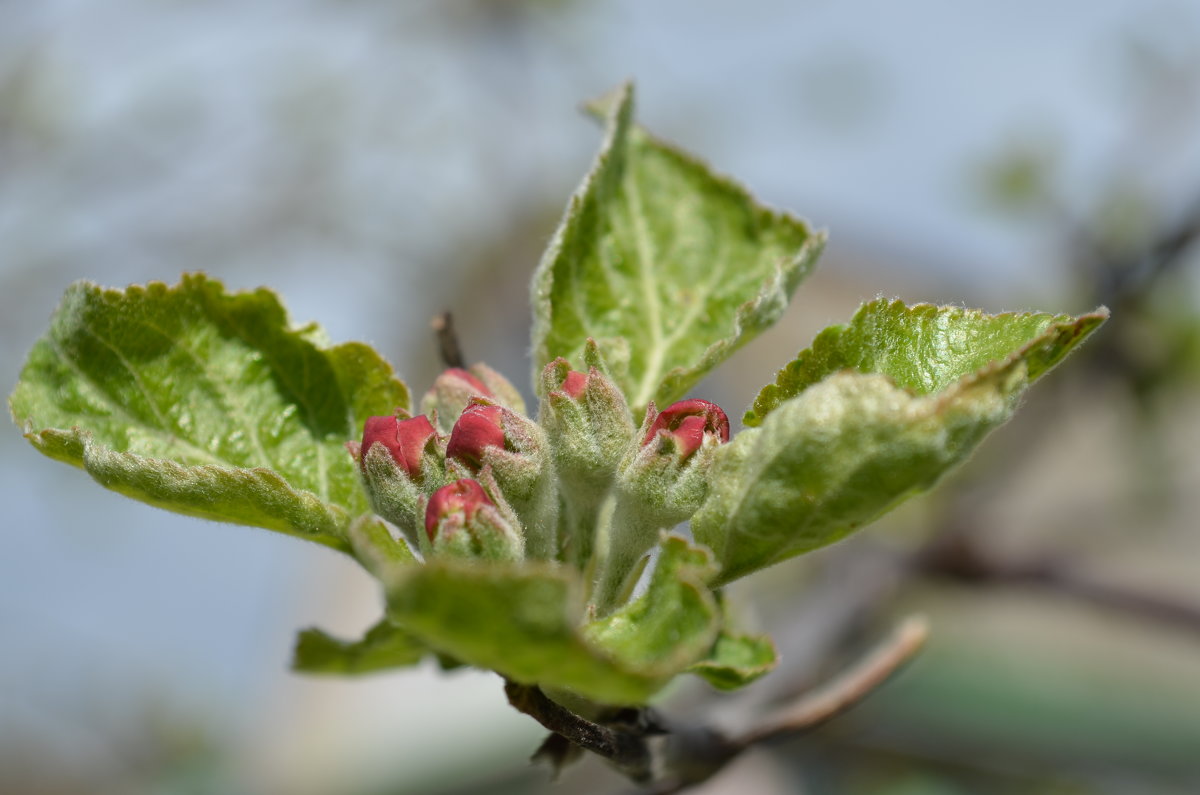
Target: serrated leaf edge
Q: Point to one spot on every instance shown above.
(1081, 325)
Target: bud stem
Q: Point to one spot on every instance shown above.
(580, 526)
(540, 517)
(623, 537)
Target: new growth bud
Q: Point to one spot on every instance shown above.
(686, 423)
(453, 390)
(587, 419)
(589, 425)
(668, 474)
(478, 428)
(663, 479)
(461, 520)
(400, 460)
(573, 383)
(404, 439)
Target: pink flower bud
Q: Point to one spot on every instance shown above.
(574, 383)
(404, 439)
(458, 502)
(477, 428)
(467, 382)
(687, 422)
(455, 388)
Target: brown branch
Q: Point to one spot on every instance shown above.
(624, 749)
(447, 338)
(848, 689)
(695, 755)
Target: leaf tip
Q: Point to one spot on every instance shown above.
(611, 102)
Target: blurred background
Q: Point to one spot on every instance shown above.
(378, 161)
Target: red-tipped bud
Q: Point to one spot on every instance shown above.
(588, 424)
(574, 383)
(477, 429)
(688, 421)
(457, 502)
(455, 388)
(404, 439)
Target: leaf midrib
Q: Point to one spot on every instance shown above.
(643, 247)
(221, 389)
(240, 405)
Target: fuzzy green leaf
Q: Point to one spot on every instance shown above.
(925, 348)
(384, 646)
(853, 445)
(376, 548)
(525, 621)
(518, 620)
(669, 267)
(737, 660)
(206, 403)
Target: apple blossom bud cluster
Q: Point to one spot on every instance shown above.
(474, 477)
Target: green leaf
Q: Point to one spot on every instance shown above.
(523, 621)
(737, 660)
(373, 544)
(675, 622)
(925, 348)
(853, 445)
(384, 646)
(206, 403)
(669, 267)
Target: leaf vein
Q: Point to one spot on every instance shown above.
(644, 247)
(237, 407)
(116, 408)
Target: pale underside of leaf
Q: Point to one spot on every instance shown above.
(836, 451)
(874, 412)
(669, 267)
(206, 403)
(834, 458)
